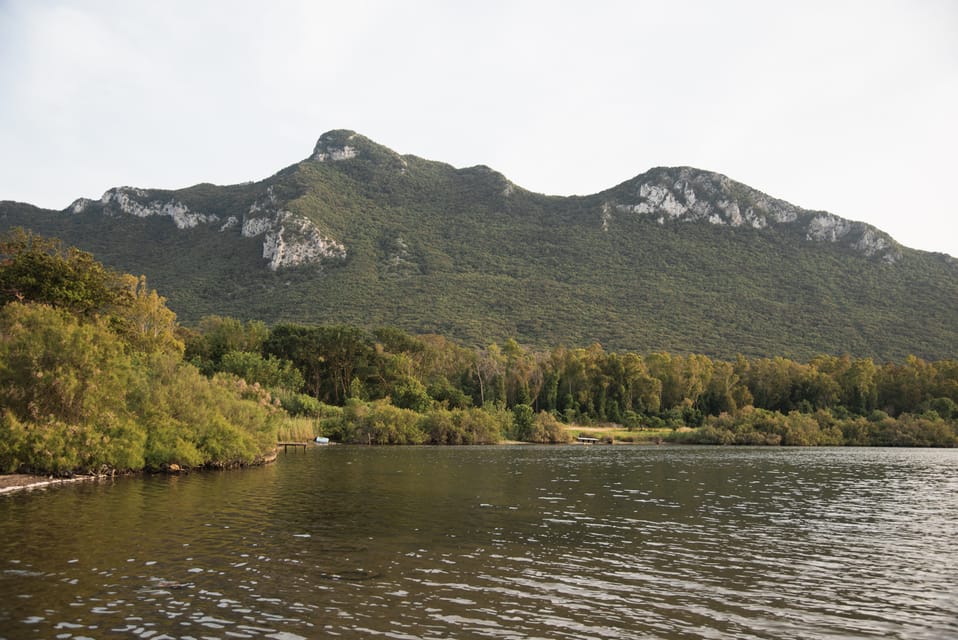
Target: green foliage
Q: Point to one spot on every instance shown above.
(463, 253)
(547, 430)
(218, 336)
(760, 401)
(223, 421)
(144, 321)
(328, 357)
(523, 423)
(270, 372)
(65, 388)
(92, 378)
(300, 404)
(823, 428)
(460, 426)
(409, 393)
(444, 392)
(378, 423)
(37, 269)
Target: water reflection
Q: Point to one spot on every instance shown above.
(499, 542)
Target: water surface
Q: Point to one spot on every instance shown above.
(496, 542)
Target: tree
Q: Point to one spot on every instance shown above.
(643, 393)
(270, 372)
(329, 357)
(38, 269)
(523, 422)
(772, 383)
(144, 321)
(724, 392)
(858, 386)
(903, 388)
(490, 368)
(668, 371)
(220, 335)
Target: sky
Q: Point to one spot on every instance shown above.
(840, 105)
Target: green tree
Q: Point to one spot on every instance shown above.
(144, 321)
(859, 386)
(220, 335)
(523, 422)
(409, 393)
(270, 372)
(37, 269)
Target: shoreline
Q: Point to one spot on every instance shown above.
(12, 482)
(15, 482)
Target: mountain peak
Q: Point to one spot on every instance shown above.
(343, 144)
(338, 144)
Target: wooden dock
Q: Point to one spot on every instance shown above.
(287, 445)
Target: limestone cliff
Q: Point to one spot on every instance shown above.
(691, 195)
(289, 240)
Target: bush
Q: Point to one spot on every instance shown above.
(547, 430)
(441, 428)
(461, 426)
(377, 422)
(480, 426)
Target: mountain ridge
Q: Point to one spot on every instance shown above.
(357, 232)
(662, 193)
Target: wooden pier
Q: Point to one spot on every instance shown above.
(287, 445)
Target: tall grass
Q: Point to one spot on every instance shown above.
(297, 429)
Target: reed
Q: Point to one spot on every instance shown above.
(297, 429)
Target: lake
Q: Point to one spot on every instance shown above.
(496, 542)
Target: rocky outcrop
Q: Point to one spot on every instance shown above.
(335, 146)
(289, 240)
(827, 227)
(689, 195)
(137, 202)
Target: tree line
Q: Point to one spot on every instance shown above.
(97, 375)
(827, 400)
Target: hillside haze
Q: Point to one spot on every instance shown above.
(675, 259)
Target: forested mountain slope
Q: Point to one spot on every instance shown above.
(675, 259)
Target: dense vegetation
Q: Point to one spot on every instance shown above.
(92, 377)
(370, 386)
(464, 254)
(96, 375)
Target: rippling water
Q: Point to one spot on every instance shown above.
(496, 542)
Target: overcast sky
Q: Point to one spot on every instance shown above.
(847, 106)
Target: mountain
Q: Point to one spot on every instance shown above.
(675, 259)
